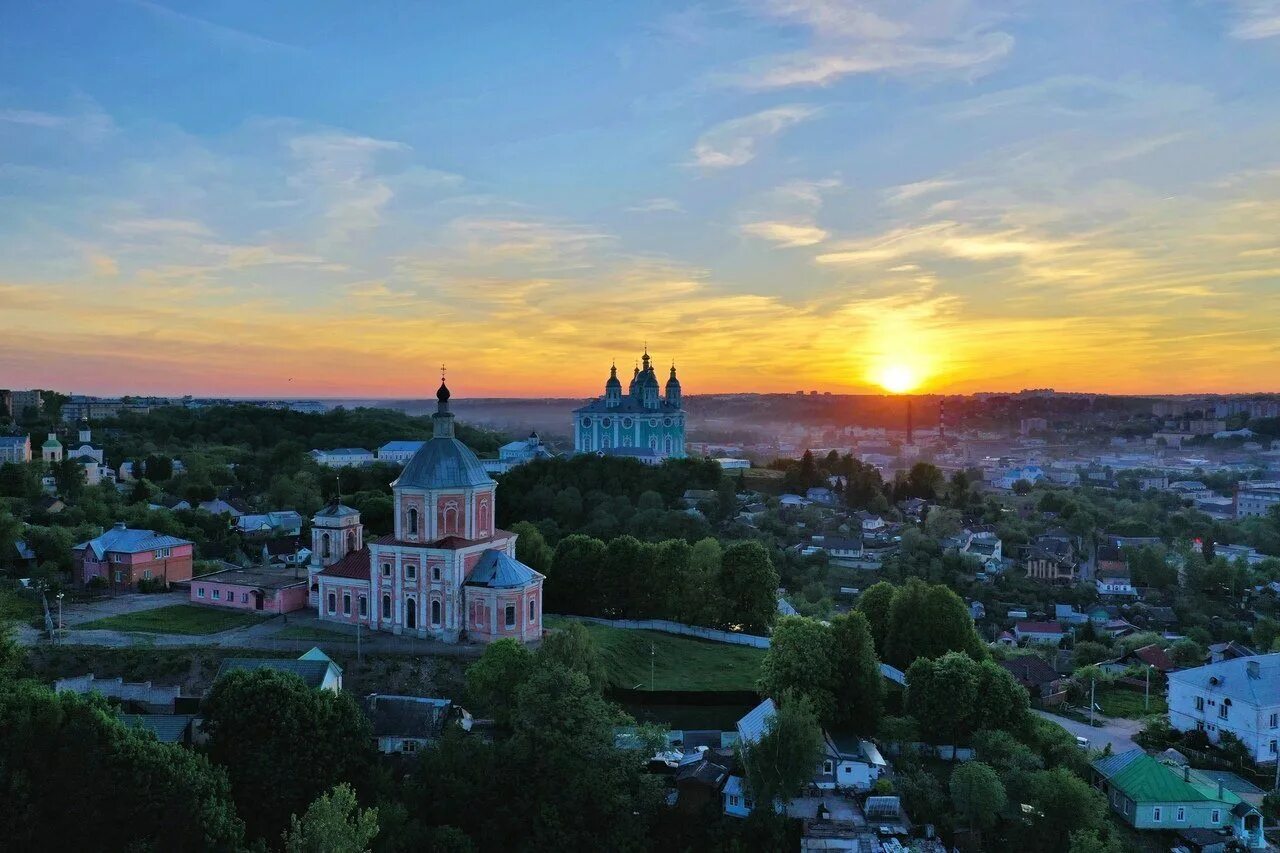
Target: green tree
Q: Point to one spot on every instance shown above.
(1186, 653)
(859, 688)
(943, 695)
(573, 584)
(800, 660)
(928, 621)
(52, 744)
(782, 761)
(749, 585)
(699, 591)
(876, 604)
(942, 522)
(532, 548)
(573, 648)
(1066, 804)
(334, 823)
(494, 679)
(924, 481)
(283, 744)
(977, 794)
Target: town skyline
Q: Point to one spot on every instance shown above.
(947, 196)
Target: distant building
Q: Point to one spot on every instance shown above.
(122, 557)
(1256, 500)
(399, 452)
(18, 404)
(731, 463)
(51, 450)
(407, 724)
(15, 448)
(315, 669)
(517, 453)
(343, 457)
(1039, 633)
(280, 523)
(643, 423)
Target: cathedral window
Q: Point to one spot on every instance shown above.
(411, 572)
(386, 608)
(667, 422)
(351, 540)
(606, 423)
(586, 422)
(653, 422)
(364, 606)
(333, 603)
(435, 613)
(324, 546)
(386, 570)
(626, 423)
(413, 521)
(511, 615)
(533, 610)
(435, 573)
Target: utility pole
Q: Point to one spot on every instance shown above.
(60, 618)
(653, 652)
(1146, 699)
(359, 657)
(1092, 683)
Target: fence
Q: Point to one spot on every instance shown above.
(667, 627)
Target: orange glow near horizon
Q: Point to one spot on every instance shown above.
(897, 378)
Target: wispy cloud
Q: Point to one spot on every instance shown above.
(877, 37)
(1256, 19)
(656, 205)
(736, 142)
(341, 169)
(786, 234)
(217, 32)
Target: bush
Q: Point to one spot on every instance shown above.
(97, 584)
(151, 585)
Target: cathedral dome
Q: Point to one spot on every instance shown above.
(443, 463)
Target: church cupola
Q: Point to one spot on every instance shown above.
(613, 388)
(85, 434)
(442, 420)
(673, 388)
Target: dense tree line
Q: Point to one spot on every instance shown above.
(606, 497)
(833, 664)
(731, 587)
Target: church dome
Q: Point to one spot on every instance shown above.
(443, 463)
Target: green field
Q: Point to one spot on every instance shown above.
(679, 663)
(175, 619)
(1117, 702)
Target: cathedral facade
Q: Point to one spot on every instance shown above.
(446, 571)
(647, 422)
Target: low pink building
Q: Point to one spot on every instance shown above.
(263, 590)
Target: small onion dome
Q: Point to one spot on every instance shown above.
(442, 394)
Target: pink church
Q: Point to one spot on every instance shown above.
(446, 573)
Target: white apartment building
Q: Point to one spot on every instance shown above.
(1241, 696)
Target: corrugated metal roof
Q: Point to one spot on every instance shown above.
(1230, 678)
(752, 727)
(130, 541)
(312, 672)
(168, 728)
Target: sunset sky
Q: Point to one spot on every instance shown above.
(332, 198)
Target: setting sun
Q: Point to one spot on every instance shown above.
(897, 378)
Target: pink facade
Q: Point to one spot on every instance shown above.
(445, 572)
(250, 590)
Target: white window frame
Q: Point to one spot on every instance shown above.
(1157, 814)
(386, 570)
(1275, 720)
(331, 602)
(217, 595)
(199, 592)
(828, 767)
(411, 572)
(1215, 816)
(509, 616)
(1181, 814)
(533, 610)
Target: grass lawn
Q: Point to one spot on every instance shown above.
(1116, 702)
(175, 619)
(679, 663)
(311, 632)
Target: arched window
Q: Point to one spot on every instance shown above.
(386, 608)
(324, 546)
(333, 603)
(451, 517)
(351, 540)
(346, 604)
(533, 610)
(413, 521)
(435, 613)
(410, 613)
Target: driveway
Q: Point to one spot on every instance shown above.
(1118, 733)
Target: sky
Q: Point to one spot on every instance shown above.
(334, 198)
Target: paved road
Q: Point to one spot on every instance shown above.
(1118, 733)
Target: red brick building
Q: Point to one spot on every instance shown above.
(123, 557)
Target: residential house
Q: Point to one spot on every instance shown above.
(399, 452)
(516, 453)
(170, 503)
(279, 523)
(822, 496)
(284, 551)
(406, 724)
(700, 778)
(1219, 652)
(49, 504)
(15, 448)
(1115, 582)
(1051, 561)
(838, 547)
(848, 762)
(122, 557)
(1256, 500)
(869, 522)
(1153, 656)
(1039, 633)
(1030, 473)
(1251, 556)
(693, 497)
(314, 667)
(1150, 795)
(265, 590)
(1041, 680)
(343, 457)
(143, 695)
(222, 506)
(1068, 615)
(1241, 696)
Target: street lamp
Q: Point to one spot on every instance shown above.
(59, 597)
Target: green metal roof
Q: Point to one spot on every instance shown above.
(1146, 780)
